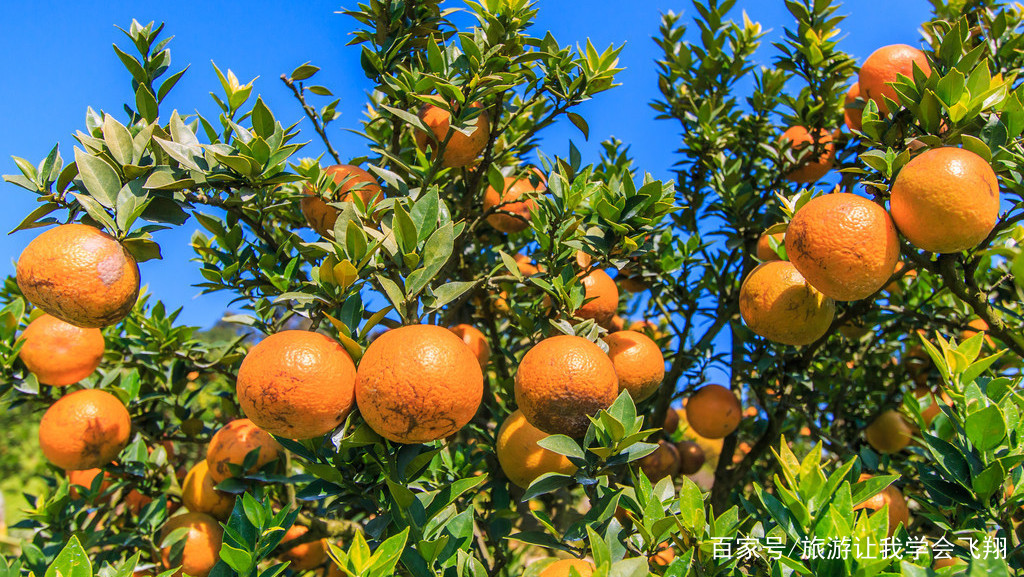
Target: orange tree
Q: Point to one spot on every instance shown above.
(342, 429)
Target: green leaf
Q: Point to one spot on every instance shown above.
(386, 557)
(237, 559)
(405, 230)
(262, 119)
(146, 103)
(118, 140)
(143, 249)
(562, 445)
(436, 253)
(96, 211)
(99, 178)
(986, 427)
(546, 483)
(448, 292)
(580, 123)
(72, 561)
(305, 71)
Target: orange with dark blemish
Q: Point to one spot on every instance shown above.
(79, 274)
(562, 381)
(84, 430)
(418, 383)
(297, 384)
(844, 245)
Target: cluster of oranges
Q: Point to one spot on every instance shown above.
(844, 247)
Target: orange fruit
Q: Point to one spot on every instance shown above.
(59, 353)
(201, 544)
(135, 501)
(777, 303)
(461, 149)
(233, 442)
(889, 432)
(84, 478)
(521, 458)
(810, 169)
(307, 555)
(297, 384)
(764, 247)
(639, 363)
(691, 457)
(883, 66)
(350, 180)
(525, 266)
(852, 116)
(945, 200)
(648, 328)
(418, 383)
(844, 245)
(561, 568)
(562, 381)
(891, 496)
(601, 297)
(84, 430)
(663, 462)
(713, 411)
(509, 202)
(664, 556)
(79, 274)
(199, 496)
(616, 324)
(475, 340)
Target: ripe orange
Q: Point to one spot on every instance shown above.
(945, 200)
(891, 496)
(80, 275)
(509, 202)
(852, 116)
(233, 442)
(307, 555)
(562, 381)
(764, 247)
(561, 568)
(883, 66)
(199, 496)
(713, 411)
(601, 297)
(777, 303)
(889, 432)
(691, 457)
(350, 179)
(475, 340)
(462, 149)
(664, 556)
(810, 169)
(639, 363)
(844, 245)
(418, 383)
(649, 328)
(59, 353)
(663, 462)
(297, 384)
(521, 458)
(84, 430)
(201, 544)
(525, 266)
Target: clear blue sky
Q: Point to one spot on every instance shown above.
(57, 60)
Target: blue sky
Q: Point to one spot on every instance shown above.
(58, 60)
